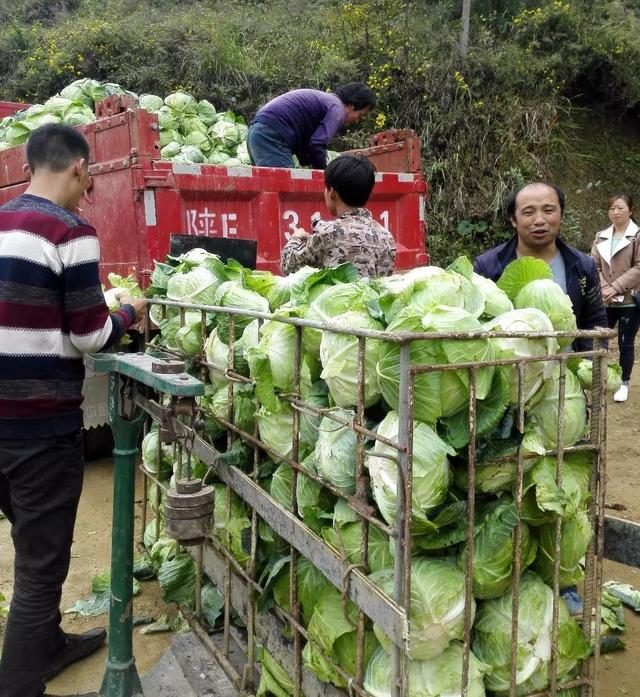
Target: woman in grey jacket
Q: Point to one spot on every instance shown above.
(617, 256)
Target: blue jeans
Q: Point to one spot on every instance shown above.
(267, 148)
(40, 485)
(628, 321)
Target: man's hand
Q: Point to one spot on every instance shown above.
(301, 233)
(608, 294)
(138, 304)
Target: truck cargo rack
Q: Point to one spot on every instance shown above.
(282, 632)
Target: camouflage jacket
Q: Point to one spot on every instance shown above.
(353, 236)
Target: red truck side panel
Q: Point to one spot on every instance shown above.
(10, 108)
(138, 201)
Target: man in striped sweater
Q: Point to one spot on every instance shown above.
(51, 312)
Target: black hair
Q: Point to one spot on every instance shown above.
(357, 94)
(55, 146)
(511, 201)
(627, 198)
(351, 177)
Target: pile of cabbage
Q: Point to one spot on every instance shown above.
(190, 130)
(427, 299)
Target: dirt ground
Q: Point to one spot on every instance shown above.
(619, 673)
(91, 553)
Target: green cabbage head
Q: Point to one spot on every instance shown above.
(437, 677)
(492, 639)
(436, 606)
(431, 472)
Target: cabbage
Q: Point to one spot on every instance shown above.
(314, 501)
(437, 677)
(427, 404)
(274, 679)
(492, 639)
(83, 91)
(160, 463)
(496, 301)
(188, 338)
(312, 586)
(217, 405)
(339, 357)
(232, 294)
(206, 112)
(189, 153)
(272, 362)
(242, 153)
(170, 327)
(167, 120)
(346, 537)
(450, 289)
(576, 534)
(201, 257)
(333, 302)
(58, 104)
(333, 629)
(170, 135)
(199, 140)
(170, 150)
(231, 523)
(217, 354)
(431, 473)
(454, 430)
(437, 393)
(197, 286)
(182, 103)
(77, 116)
(276, 429)
(436, 606)
(493, 546)
(544, 500)
(150, 102)
(526, 320)
(336, 452)
(192, 124)
(448, 319)
(541, 420)
(520, 272)
(224, 135)
(548, 296)
(218, 158)
(584, 372)
(276, 289)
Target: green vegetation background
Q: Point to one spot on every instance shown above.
(548, 89)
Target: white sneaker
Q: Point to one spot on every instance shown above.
(622, 394)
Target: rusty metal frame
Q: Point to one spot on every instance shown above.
(391, 614)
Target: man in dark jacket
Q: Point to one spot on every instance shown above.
(535, 211)
(304, 122)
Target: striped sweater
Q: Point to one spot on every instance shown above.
(52, 310)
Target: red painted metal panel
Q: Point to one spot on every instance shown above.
(10, 108)
(138, 201)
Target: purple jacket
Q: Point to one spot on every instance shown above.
(308, 120)
(583, 284)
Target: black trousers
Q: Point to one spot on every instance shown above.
(628, 321)
(40, 485)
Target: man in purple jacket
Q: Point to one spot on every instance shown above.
(304, 122)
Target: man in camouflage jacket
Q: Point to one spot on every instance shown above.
(354, 236)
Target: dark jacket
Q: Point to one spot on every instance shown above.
(583, 284)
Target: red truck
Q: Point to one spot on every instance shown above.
(138, 200)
